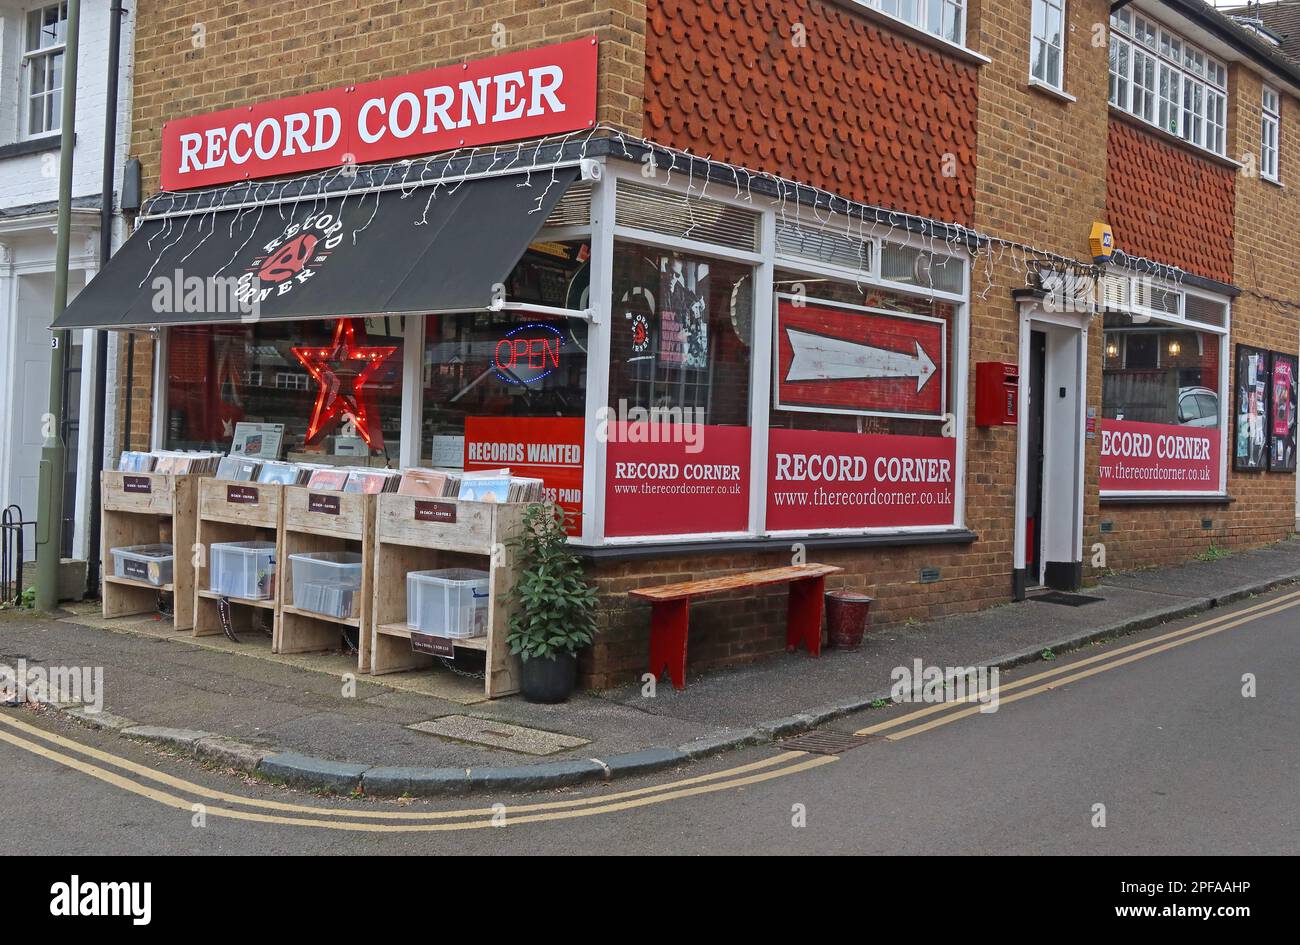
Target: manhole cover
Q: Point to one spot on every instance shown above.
(1069, 600)
(528, 741)
(825, 742)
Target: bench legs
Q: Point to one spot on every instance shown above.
(804, 622)
(668, 620)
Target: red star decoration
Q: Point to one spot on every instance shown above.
(345, 372)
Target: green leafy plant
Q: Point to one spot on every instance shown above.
(555, 611)
(1047, 654)
(25, 601)
(1212, 553)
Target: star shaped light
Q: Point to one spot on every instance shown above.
(344, 370)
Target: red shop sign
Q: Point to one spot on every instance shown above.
(676, 479)
(545, 448)
(529, 94)
(846, 359)
(859, 480)
(1159, 457)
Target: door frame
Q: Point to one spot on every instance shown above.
(1061, 518)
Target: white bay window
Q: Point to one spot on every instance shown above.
(1167, 82)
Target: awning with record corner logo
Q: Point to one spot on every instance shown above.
(422, 249)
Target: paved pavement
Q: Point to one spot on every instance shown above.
(304, 706)
(1156, 727)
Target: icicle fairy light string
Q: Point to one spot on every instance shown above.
(443, 174)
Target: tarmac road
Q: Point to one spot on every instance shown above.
(1155, 727)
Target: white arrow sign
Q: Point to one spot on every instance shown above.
(818, 358)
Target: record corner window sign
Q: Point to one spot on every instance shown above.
(537, 92)
(839, 358)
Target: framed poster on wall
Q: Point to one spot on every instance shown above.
(1282, 412)
(1250, 432)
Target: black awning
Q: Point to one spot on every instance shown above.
(429, 249)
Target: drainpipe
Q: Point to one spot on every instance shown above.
(54, 452)
(93, 561)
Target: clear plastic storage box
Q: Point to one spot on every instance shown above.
(452, 602)
(244, 569)
(149, 563)
(327, 582)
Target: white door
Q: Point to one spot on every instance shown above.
(29, 394)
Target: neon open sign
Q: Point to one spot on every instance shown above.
(528, 353)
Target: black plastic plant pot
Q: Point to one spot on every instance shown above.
(550, 679)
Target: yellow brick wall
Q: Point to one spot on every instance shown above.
(206, 55)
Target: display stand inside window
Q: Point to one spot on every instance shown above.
(464, 605)
(326, 572)
(236, 582)
(148, 533)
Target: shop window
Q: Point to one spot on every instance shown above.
(1161, 407)
(507, 390)
(863, 381)
(333, 384)
(679, 388)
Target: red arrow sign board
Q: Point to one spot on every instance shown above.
(845, 359)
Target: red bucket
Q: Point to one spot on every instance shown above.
(846, 618)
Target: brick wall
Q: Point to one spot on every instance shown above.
(817, 91)
(1261, 262)
(140, 384)
(1168, 203)
(251, 52)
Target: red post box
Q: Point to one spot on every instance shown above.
(997, 391)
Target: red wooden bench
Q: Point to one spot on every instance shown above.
(671, 603)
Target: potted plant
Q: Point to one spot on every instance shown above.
(555, 609)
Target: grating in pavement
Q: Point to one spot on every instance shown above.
(1061, 597)
(529, 741)
(825, 742)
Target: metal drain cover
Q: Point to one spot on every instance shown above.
(823, 742)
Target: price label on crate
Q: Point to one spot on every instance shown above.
(430, 511)
(241, 495)
(431, 645)
(137, 484)
(325, 504)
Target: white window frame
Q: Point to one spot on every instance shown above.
(1145, 316)
(1040, 38)
(1188, 93)
(1270, 135)
(929, 16)
(603, 232)
(36, 59)
(765, 263)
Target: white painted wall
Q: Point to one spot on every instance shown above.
(29, 187)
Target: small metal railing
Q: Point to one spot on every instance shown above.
(11, 554)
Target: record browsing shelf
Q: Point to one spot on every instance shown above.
(227, 512)
(417, 534)
(394, 535)
(143, 509)
(315, 521)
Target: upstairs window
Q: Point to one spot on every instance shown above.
(1167, 82)
(1268, 144)
(1047, 43)
(43, 62)
(943, 18)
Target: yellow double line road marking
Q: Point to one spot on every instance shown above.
(1111, 659)
(235, 807)
(303, 815)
